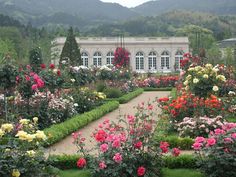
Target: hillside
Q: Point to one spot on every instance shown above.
(157, 7)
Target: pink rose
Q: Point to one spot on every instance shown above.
(102, 165)
(117, 158)
(104, 147)
(219, 131)
(197, 146)
(101, 136)
(81, 163)
(34, 87)
(228, 140)
(116, 144)
(211, 141)
(164, 147)
(199, 140)
(141, 171)
(233, 135)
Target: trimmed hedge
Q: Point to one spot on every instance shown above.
(173, 93)
(59, 131)
(150, 89)
(64, 162)
(129, 96)
(182, 161)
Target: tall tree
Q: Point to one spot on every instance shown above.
(71, 50)
(35, 59)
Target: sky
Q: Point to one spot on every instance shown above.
(127, 3)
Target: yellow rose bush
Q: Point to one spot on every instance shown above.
(204, 80)
(20, 150)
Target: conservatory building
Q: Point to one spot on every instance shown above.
(147, 54)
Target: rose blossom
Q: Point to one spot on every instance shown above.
(51, 66)
(116, 143)
(197, 146)
(233, 135)
(138, 145)
(211, 141)
(117, 158)
(101, 136)
(104, 147)
(164, 147)
(102, 165)
(81, 163)
(176, 152)
(141, 171)
(199, 140)
(34, 87)
(43, 66)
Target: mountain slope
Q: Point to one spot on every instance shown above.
(220, 7)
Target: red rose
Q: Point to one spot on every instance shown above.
(141, 171)
(101, 136)
(175, 152)
(138, 145)
(51, 66)
(81, 163)
(43, 66)
(58, 72)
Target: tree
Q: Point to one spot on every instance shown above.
(35, 59)
(71, 50)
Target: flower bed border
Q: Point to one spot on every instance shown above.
(59, 131)
(65, 162)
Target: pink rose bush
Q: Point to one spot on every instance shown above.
(124, 148)
(217, 153)
(199, 126)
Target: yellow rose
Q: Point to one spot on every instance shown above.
(40, 135)
(22, 135)
(205, 76)
(195, 80)
(209, 66)
(15, 173)
(31, 153)
(30, 137)
(188, 77)
(221, 78)
(7, 150)
(185, 83)
(24, 121)
(35, 119)
(7, 127)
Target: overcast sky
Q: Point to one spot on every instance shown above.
(127, 3)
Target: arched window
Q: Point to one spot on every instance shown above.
(152, 61)
(139, 61)
(84, 57)
(110, 58)
(165, 60)
(97, 59)
(178, 57)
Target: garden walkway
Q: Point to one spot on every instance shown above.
(66, 147)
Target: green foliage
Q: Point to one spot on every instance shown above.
(64, 162)
(35, 59)
(59, 131)
(173, 93)
(182, 161)
(113, 92)
(100, 87)
(7, 48)
(182, 173)
(75, 173)
(150, 89)
(129, 96)
(70, 50)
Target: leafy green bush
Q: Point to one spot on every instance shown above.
(182, 161)
(147, 89)
(113, 92)
(127, 97)
(100, 87)
(64, 161)
(59, 131)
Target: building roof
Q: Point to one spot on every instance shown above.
(228, 43)
(127, 40)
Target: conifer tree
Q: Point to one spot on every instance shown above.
(35, 59)
(71, 50)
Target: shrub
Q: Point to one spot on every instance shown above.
(199, 126)
(182, 161)
(20, 151)
(129, 96)
(124, 150)
(100, 87)
(113, 92)
(217, 154)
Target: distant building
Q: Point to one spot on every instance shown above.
(228, 44)
(147, 54)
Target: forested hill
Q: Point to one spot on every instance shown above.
(89, 13)
(157, 7)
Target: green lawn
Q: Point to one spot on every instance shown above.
(167, 173)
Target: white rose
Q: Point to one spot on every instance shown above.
(205, 76)
(215, 88)
(195, 80)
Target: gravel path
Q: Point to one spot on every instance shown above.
(66, 147)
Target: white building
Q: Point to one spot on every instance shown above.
(147, 54)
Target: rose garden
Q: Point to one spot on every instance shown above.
(189, 132)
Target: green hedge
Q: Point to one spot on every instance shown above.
(129, 96)
(69, 161)
(149, 89)
(59, 131)
(182, 161)
(173, 93)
